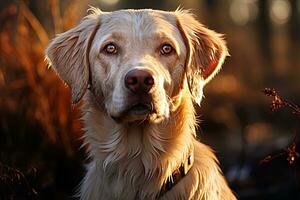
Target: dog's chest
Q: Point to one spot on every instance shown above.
(127, 179)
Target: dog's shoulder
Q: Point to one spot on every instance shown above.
(211, 180)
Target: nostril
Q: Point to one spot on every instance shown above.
(149, 81)
(131, 80)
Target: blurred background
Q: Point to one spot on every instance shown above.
(40, 132)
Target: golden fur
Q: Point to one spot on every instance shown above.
(133, 156)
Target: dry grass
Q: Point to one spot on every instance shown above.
(28, 88)
(33, 101)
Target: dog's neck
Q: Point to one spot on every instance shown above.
(177, 174)
(147, 152)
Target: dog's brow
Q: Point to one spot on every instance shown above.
(164, 38)
(117, 35)
(111, 37)
(160, 35)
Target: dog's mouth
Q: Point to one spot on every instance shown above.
(136, 112)
(140, 109)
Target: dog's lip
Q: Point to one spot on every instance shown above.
(141, 106)
(138, 108)
(137, 111)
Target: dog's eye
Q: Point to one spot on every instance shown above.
(166, 49)
(110, 48)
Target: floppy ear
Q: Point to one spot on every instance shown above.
(68, 54)
(206, 52)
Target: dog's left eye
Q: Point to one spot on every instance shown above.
(166, 49)
(110, 48)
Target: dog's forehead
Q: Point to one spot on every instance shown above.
(144, 20)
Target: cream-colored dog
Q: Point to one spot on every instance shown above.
(139, 72)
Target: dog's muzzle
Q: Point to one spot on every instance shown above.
(138, 83)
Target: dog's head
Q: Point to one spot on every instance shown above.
(137, 62)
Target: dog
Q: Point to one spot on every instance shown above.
(139, 73)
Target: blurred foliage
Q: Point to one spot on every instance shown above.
(37, 121)
(28, 89)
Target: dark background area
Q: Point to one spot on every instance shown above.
(40, 132)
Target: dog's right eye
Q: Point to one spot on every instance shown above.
(110, 48)
(166, 49)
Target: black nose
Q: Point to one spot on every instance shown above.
(139, 81)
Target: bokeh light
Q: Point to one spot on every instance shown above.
(280, 11)
(243, 11)
(109, 2)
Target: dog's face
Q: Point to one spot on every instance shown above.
(137, 61)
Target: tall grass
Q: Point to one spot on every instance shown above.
(38, 128)
(28, 88)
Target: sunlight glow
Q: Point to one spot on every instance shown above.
(109, 2)
(280, 11)
(243, 11)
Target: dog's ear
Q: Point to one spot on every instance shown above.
(206, 52)
(68, 54)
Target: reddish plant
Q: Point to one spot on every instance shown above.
(277, 103)
(11, 177)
